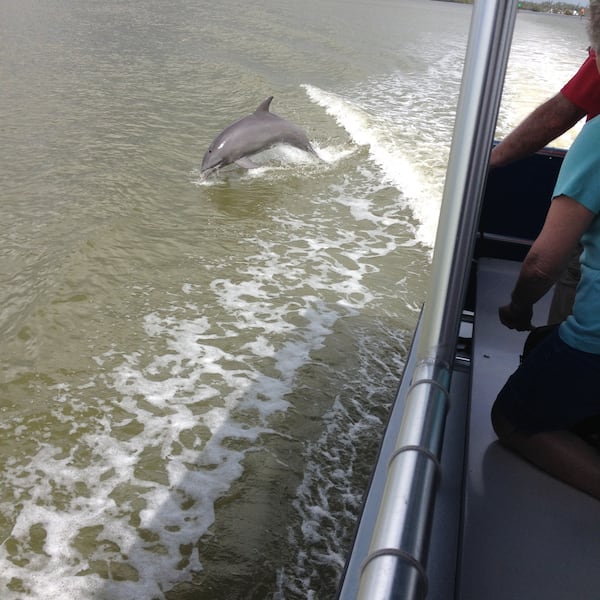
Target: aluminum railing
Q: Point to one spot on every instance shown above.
(395, 567)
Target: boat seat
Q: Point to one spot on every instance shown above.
(525, 535)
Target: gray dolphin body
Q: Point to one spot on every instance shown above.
(257, 132)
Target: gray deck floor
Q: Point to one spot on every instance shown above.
(526, 536)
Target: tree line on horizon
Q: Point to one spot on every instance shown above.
(564, 8)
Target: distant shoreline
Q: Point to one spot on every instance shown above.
(552, 8)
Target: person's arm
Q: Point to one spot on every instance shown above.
(566, 222)
(548, 121)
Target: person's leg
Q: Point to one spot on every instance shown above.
(562, 454)
(540, 408)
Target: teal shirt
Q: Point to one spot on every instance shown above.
(579, 178)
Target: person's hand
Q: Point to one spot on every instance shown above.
(516, 317)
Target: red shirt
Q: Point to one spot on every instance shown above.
(583, 89)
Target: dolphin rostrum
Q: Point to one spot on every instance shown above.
(250, 135)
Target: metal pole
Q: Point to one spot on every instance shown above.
(395, 566)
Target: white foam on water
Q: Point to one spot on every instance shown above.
(366, 130)
(327, 499)
(115, 509)
(332, 154)
(389, 151)
(115, 497)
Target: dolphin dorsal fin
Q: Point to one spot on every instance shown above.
(264, 106)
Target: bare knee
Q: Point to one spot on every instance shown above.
(502, 426)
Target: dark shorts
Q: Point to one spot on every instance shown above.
(556, 387)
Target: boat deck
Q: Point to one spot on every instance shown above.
(525, 534)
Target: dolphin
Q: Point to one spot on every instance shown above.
(250, 135)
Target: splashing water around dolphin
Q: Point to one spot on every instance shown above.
(250, 135)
